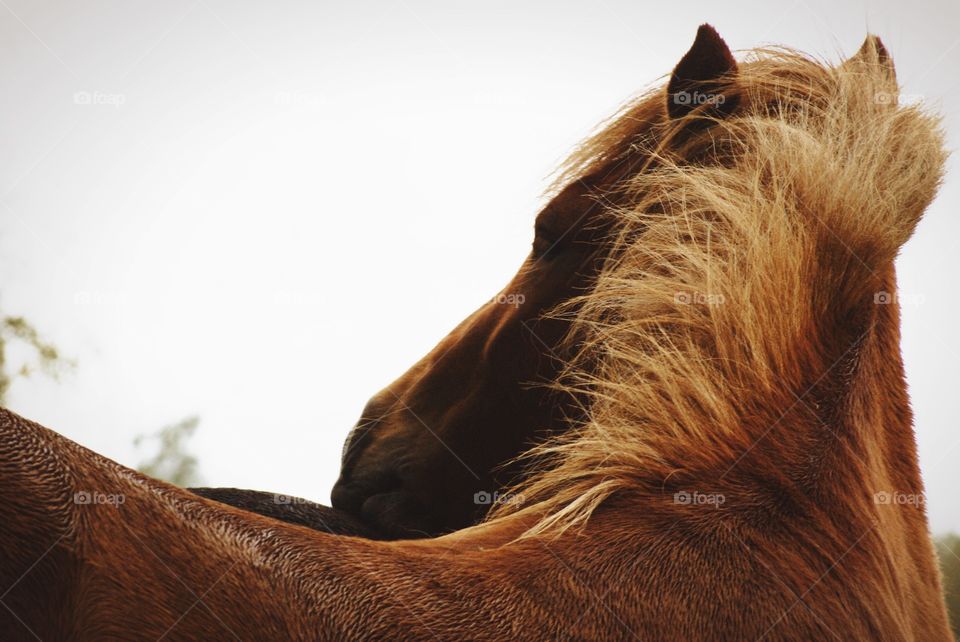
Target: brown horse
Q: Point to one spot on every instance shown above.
(745, 467)
(433, 447)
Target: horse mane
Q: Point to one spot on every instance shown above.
(744, 267)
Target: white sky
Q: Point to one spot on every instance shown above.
(295, 201)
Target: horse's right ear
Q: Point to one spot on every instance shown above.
(701, 76)
(874, 55)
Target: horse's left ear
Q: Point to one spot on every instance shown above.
(701, 76)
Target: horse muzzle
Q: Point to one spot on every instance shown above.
(383, 503)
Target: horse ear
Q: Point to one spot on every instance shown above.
(873, 53)
(701, 76)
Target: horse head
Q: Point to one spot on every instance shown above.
(431, 449)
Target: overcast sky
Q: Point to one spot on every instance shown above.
(262, 213)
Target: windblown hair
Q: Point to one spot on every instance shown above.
(745, 263)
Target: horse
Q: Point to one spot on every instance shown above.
(744, 467)
(432, 450)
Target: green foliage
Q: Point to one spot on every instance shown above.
(46, 359)
(171, 462)
(948, 550)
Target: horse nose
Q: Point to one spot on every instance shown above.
(386, 507)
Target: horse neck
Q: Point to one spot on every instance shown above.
(877, 416)
(870, 456)
(895, 432)
(848, 428)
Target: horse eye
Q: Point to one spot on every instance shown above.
(544, 242)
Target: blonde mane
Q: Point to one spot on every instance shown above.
(744, 268)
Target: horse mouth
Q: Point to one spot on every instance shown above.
(396, 512)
